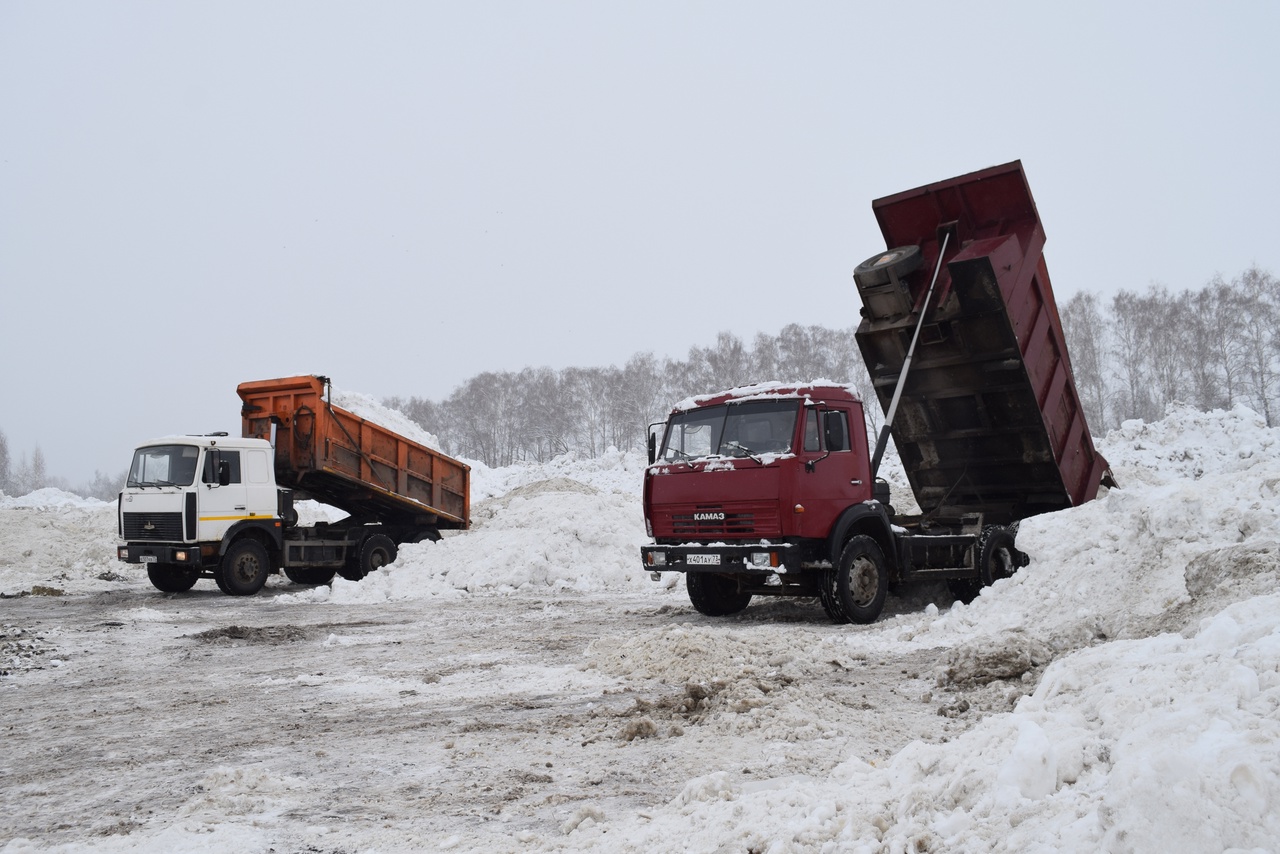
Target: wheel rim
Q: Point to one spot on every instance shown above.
(377, 560)
(246, 569)
(864, 581)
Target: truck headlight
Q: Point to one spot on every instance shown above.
(180, 557)
(763, 559)
(122, 553)
(657, 558)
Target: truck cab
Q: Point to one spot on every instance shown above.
(752, 485)
(188, 497)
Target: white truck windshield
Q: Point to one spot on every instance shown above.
(164, 465)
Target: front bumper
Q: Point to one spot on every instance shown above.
(762, 557)
(167, 553)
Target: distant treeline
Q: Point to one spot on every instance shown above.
(1212, 348)
(537, 414)
(1132, 356)
(28, 474)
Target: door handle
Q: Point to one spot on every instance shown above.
(856, 482)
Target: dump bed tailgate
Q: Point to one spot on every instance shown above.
(990, 420)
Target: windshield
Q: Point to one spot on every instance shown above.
(164, 465)
(737, 430)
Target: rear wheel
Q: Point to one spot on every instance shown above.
(243, 570)
(375, 552)
(171, 578)
(308, 575)
(715, 595)
(997, 557)
(855, 589)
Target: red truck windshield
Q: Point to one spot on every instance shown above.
(731, 430)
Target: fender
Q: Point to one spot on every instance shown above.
(867, 517)
(273, 528)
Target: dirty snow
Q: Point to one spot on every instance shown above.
(523, 686)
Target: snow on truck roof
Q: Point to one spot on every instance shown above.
(814, 389)
(206, 441)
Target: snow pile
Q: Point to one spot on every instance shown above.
(371, 410)
(49, 498)
(568, 525)
(1161, 744)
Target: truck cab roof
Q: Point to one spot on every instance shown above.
(815, 390)
(207, 441)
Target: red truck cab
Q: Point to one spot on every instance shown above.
(756, 483)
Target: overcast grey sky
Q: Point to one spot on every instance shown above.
(401, 195)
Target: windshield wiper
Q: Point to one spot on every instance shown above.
(746, 452)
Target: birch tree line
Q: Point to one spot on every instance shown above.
(1212, 348)
(537, 414)
(1132, 355)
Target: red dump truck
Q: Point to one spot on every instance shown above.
(773, 489)
(221, 507)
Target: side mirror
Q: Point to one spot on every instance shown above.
(224, 473)
(653, 448)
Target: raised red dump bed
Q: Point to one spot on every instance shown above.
(337, 457)
(990, 420)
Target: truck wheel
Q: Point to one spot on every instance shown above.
(715, 595)
(308, 575)
(879, 269)
(243, 569)
(376, 552)
(170, 578)
(859, 582)
(997, 557)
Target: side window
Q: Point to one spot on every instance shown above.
(837, 431)
(210, 473)
(811, 417)
(255, 464)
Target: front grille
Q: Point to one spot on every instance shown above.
(705, 523)
(162, 527)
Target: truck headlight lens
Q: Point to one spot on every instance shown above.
(764, 559)
(180, 557)
(122, 553)
(657, 558)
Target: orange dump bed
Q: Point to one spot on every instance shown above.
(337, 457)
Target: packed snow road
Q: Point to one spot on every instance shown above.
(490, 721)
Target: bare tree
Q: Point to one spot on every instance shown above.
(1086, 334)
(6, 473)
(1260, 293)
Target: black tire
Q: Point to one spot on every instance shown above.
(375, 552)
(997, 556)
(965, 589)
(715, 595)
(170, 578)
(881, 268)
(855, 589)
(309, 575)
(244, 568)
(427, 535)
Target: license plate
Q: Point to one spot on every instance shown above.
(704, 560)
(146, 558)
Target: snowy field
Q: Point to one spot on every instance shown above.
(524, 686)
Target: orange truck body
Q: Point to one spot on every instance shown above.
(332, 455)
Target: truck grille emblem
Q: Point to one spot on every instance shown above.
(708, 517)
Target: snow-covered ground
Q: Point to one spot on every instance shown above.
(523, 686)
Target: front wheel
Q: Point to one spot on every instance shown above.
(855, 589)
(715, 595)
(170, 578)
(243, 569)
